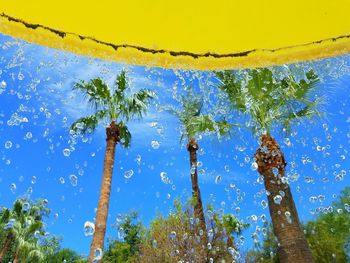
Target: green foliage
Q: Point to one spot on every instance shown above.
(128, 250)
(328, 233)
(269, 100)
(118, 252)
(192, 119)
(132, 232)
(112, 104)
(64, 255)
(24, 236)
(175, 238)
(232, 224)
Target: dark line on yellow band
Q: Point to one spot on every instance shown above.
(156, 51)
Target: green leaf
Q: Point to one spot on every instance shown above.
(137, 104)
(95, 91)
(125, 135)
(88, 123)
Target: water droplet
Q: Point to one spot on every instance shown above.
(37, 234)
(287, 141)
(210, 233)
(227, 168)
(277, 199)
(209, 246)
(66, 152)
(98, 254)
(73, 180)
(264, 204)
(138, 159)
(154, 243)
(62, 181)
(217, 179)
(29, 135)
(241, 148)
(254, 218)
(231, 250)
(275, 171)
(8, 144)
(254, 166)
(89, 228)
(313, 199)
(10, 223)
(20, 76)
(155, 145)
(173, 235)
(13, 188)
(25, 207)
(128, 174)
(33, 180)
(164, 177)
(2, 86)
(193, 169)
(288, 216)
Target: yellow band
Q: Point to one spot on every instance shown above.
(205, 35)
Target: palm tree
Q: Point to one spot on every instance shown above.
(23, 228)
(270, 102)
(114, 106)
(193, 123)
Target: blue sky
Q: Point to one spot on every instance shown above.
(37, 107)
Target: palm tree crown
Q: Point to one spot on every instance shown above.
(112, 104)
(24, 224)
(192, 119)
(270, 100)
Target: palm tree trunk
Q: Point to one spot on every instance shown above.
(193, 147)
(293, 247)
(6, 247)
(112, 133)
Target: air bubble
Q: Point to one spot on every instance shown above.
(8, 144)
(155, 145)
(89, 228)
(73, 180)
(277, 199)
(128, 174)
(66, 152)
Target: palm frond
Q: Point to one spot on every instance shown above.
(4, 216)
(137, 104)
(171, 110)
(17, 208)
(309, 111)
(35, 226)
(229, 84)
(199, 124)
(124, 134)
(88, 123)
(95, 91)
(120, 86)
